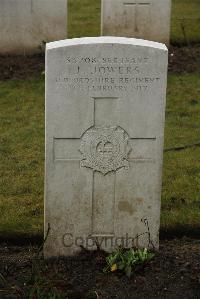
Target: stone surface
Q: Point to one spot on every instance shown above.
(26, 25)
(146, 19)
(105, 106)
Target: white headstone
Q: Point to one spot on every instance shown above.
(105, 107)
(146, 19)
(26, 25)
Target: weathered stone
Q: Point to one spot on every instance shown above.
(146, 19)
(26, 25)
(105, 106)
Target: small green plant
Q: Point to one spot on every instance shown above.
(127, 260)
(3, 282)
(44, 289)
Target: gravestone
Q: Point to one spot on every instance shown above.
(105, 107)
(146, 19)
(26, 25)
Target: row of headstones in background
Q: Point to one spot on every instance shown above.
(105, 107)
(26, 25)
(146, 19)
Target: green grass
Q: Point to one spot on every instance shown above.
(22, 155)
(84, 20)
(181, 179)
(185, 22)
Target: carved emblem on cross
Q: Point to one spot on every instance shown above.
(105, 149)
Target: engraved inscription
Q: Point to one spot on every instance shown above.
(105, 149)
(93, 74)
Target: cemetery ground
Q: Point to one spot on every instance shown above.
(174, 272)
(22, 156)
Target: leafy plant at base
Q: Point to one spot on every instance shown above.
(127, 260)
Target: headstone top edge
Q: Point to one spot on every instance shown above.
(105, 40)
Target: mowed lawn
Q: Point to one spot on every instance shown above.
(22, 155)
(85, 17)
(22, 138)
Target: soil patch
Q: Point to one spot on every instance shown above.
(173, 273)
(184, 59)
(181, 60)
(21, 67)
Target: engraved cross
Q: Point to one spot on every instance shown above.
(136, 4)
(107, 117)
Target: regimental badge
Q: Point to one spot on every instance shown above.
(105, 149)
